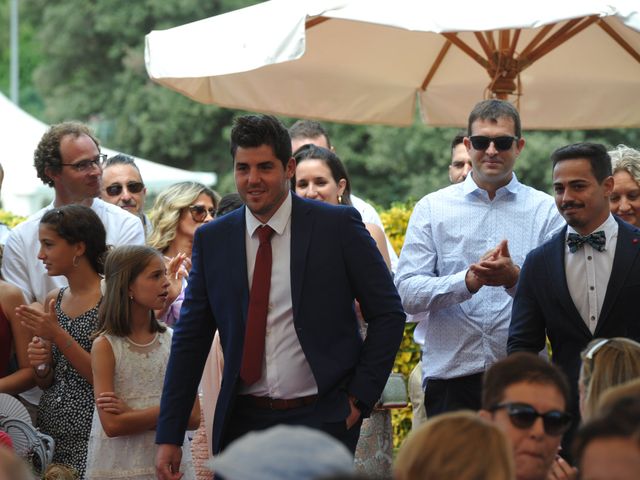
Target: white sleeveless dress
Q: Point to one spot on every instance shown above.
(138, 380)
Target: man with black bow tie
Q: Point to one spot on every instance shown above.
(585, 281)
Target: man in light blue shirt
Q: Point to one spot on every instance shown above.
(460, 262)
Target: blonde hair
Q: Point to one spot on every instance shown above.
(614, 394)
(606, 363)
(57, 471)
(167, 208)
(626, 159)
(455, 446)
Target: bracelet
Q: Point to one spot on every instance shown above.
(48, 370)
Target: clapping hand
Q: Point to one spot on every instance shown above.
(43, 324)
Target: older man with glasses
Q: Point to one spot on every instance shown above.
(122, 185)
(527, 397)
(68, 159)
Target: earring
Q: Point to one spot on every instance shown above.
(75, 261)
(130, 297)
(340, 199)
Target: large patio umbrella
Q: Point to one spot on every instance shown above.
(565, 64)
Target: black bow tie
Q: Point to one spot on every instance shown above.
(597, 240)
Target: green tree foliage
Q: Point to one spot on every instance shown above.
(92, 69)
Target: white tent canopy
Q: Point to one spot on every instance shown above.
(22, 191)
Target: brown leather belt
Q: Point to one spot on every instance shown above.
(277, 403)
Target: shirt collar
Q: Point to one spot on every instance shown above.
(278, 220)
(609, 227)
(471, 186)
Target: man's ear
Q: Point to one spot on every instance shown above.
(485, 414)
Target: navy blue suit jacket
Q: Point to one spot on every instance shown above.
(334, 260)
(543, 304)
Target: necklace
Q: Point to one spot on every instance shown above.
(143, 345)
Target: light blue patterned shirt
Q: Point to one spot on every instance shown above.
(463, 333)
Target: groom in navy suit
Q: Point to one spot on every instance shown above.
(584, 283)
(313, 368)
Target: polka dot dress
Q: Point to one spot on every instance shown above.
(66, 407)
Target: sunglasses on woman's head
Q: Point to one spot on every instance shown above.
(199, 212)
(523, 416)
(480, 142)
(115, 189)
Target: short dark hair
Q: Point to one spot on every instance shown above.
(458, 139)
(331, 160)
(309, 129)
(621, 420)
(77, 223)
(492, 110)
(521, 367)
(229, 203)
(596, 153)
(47, 152)
(251, 131)
(120, 159)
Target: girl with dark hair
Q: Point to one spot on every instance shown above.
(129, 359)
(72, 243)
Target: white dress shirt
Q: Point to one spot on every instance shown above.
(463, 333)
(285, 370)
(588, 272)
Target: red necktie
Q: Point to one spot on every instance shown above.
(253, 350)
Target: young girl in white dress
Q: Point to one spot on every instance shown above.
(128, 359)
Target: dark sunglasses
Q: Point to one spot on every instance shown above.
(480, 142)
(199, 212)
(523, 416)
(116, 189)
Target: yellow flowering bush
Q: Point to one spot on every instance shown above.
(10, 219)
(395, 221)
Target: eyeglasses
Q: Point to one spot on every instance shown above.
(116, 189)
(480, 142)
(523, 416)
(199, 212)
(86, 165)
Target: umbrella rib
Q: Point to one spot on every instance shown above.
(489, 36)
(483, 43)
(621, 41)
(514, 42)
(569, 30)
(453, 38)
(537, 39)
(315, 21)
(435, 65)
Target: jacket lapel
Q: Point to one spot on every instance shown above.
(238, 255)
(301, 231)
(554, 254)
(627, 248)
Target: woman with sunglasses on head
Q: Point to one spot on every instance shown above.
(176, 214)
(320, 175)
(624, 201)
(606, 362)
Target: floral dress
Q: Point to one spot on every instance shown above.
(66, 407)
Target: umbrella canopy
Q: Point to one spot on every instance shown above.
(565, 64)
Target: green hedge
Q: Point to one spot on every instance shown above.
(395, 221)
